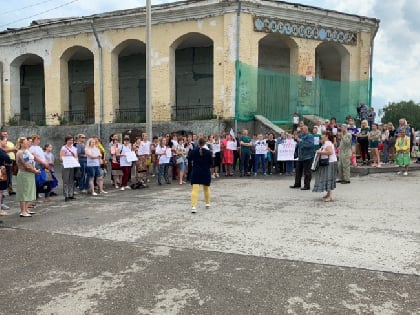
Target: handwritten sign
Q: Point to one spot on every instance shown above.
(70, 162)
(260, 147)
(143, 150)
(130, 156)
(231, 145)
(216, 147)
(286, 151)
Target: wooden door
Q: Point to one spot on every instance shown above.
(90, 102)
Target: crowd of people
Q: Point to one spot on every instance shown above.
(330, 148)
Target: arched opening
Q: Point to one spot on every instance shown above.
(332, 67)
(28, 90)
(131, 84)
(277, 59)
(81, 92)
(193, 77)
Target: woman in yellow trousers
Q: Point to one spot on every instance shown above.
(202, 161)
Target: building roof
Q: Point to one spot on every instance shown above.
(194, 9)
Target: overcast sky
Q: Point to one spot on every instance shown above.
(397, 44)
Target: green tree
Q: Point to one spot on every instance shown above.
(408, 110)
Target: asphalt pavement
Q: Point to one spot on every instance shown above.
(262, 248)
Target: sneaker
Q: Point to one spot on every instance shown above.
(94, 194)
(399, 173)
(207, 206)
(213, 176)
(405, 173)
(193, 210)
(122, 188)
(265, 174)
(255, 174)
(127, 187)
(75, 193)
(4, 207)
(103, 192)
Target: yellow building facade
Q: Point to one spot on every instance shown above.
(93, 69)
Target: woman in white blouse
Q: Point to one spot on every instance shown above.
(93, 166)
(164, 154)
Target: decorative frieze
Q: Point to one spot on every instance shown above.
(303, 30)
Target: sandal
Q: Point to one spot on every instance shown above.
(328, 199)
(3, 213)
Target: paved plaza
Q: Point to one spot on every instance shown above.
(262, 248)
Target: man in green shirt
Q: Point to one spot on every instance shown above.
(245, 142)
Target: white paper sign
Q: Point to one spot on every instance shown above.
(143, 150)
(70, 162)
(260, 147)
(315, 162)
(286, 151)
(216, 147)
(130, 156)
(231, 145)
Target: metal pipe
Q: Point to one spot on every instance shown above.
(149, 127)
(238, 38)
(371, 65)
(101, 84)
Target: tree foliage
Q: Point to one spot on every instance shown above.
(393, 112)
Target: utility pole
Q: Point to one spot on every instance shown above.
(149, 69)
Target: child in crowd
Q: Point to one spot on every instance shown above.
(49, 157)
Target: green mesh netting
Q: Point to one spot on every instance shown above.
(278, 95)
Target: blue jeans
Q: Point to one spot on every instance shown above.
(163, 171)
(83, 182)
(289, 167)
(259, 157)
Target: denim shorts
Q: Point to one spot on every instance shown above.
(181, 166)
(94, 171)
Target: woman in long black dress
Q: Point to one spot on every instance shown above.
(202, 161)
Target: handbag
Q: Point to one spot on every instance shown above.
(15, 168)
(115, 166)
(48, 176)
(3, 174)
(179, 159)
(77, 173)
(324, 162)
